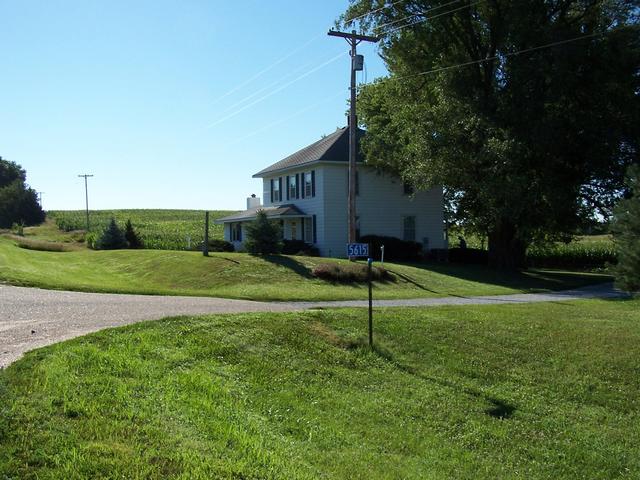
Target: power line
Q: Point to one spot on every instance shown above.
(260, 90)
(429, 18)
(351, 20)
(265, 70)
(289, 117)
(279, 89)
(416, 14)
(496, 57)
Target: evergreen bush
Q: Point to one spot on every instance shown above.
(112, 238)
(132, 237)
(264, 236)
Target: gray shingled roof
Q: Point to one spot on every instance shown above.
(272, 212)
(333, 148)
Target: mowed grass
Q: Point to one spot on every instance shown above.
(236, 275)
(532, 391)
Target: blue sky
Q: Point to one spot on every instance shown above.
(170, 104)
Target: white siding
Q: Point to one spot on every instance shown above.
(381, 206)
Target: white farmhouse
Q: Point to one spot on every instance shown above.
(307, 192)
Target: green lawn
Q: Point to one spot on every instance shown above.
(238, 275)
(532, 391)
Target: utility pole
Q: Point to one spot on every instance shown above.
(86, 196)
(40, 199)
(353, 39)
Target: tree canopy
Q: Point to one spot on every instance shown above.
(527, 112)
(18, 202)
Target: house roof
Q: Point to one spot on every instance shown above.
(332, 148)
(279, 211)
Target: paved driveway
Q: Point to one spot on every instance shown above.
(31, 317)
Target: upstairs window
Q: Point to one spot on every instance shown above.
(276, 191)
(308, 184)
(293, 186)
(409, 229)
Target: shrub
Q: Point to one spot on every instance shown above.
(112, 238)
(18, 229)
(263, 236)
(40, 245)
(394, 248)
(131, 236)
(349, 273)
(299, 247)
(626, 231)
(216, 245)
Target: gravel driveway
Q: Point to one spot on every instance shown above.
(31, 317)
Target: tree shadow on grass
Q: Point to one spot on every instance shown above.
(526, 280)
(290, 263)
(498, 408)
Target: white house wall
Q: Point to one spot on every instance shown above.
(381, 206)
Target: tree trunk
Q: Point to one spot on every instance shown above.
(506, 250)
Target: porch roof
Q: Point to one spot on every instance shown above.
(277, 211)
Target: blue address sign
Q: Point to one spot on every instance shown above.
(357, 249)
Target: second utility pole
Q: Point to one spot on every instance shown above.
(353, 39)
(86, 196)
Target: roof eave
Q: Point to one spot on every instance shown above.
(263, 174)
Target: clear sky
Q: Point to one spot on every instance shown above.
(170, 104)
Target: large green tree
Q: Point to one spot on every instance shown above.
(626, 231)
(527, 112)
(18, 202)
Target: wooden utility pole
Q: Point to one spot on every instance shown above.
(86, 196)
(353, 39)
(205, 245)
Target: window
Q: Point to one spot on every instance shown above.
(292, 186)
(308, 230)
(408, 189)
(236, 232)
(276, 193)
(409, 227)
(308, 184)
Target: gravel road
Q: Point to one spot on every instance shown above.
(32, 318)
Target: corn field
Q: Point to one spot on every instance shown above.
(158, 229)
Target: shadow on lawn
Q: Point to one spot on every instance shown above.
(498, 408)
(290, 263)
(532, 279)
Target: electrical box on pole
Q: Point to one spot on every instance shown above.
(358, 63)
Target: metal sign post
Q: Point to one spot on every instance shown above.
(362, 250)
(369, 262)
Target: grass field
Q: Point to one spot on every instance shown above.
(159, 229)
(237, 275)
(534, 391)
